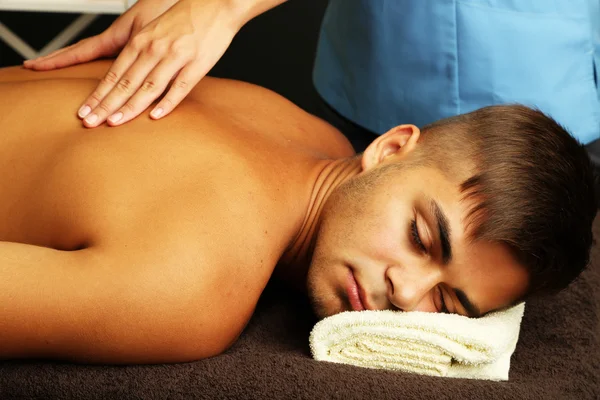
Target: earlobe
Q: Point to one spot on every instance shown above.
(398, 141)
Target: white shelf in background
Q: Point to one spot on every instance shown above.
(89, 8)
(74, 6)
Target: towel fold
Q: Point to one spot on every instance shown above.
(427, 343)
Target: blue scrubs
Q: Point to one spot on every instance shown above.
(381, 63)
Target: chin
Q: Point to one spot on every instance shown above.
(319, 311)
(322, 311)
(325, 289)
(325, 302)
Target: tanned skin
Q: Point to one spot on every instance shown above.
(151, 242)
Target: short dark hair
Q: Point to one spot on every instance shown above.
(529, 184)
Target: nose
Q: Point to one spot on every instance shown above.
(410, 288)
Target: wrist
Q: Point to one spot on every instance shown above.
(243, 11)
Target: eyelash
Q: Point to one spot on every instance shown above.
(417, 240)
(415, 236)
(419, 243)
(444, 309)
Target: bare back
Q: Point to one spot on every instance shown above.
(192, 212)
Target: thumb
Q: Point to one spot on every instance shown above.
(82, 51)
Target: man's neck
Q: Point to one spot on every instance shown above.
(293, 265)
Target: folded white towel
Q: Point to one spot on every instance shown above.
(427, 343)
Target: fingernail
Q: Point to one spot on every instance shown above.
(156, 113)
(84, 111)
(115, 117)
(91, 119)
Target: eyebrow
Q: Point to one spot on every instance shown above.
(444, 233)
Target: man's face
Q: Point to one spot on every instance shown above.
(399, 241)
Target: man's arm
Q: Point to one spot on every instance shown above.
(93, 306)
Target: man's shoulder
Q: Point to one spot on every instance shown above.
(270, 112)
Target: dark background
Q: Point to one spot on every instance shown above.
(275, 50)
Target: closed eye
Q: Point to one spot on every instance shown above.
(416, 238)
(443, 307)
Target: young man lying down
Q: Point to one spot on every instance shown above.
(152, 242)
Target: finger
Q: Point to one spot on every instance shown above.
(108, 82)
(185, 81)
(153, 86)
(124, 89)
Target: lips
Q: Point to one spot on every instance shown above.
(354, 293)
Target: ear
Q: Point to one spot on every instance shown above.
(398, 141)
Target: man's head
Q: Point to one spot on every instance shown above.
(473, 214)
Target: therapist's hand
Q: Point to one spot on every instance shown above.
(163, 42)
